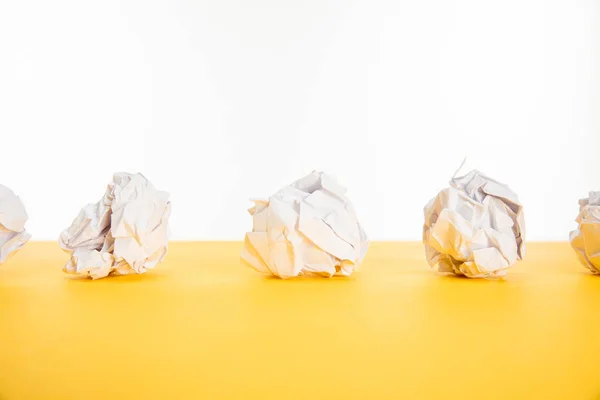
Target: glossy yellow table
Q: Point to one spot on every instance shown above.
(201, 326)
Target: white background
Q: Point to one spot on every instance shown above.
(218, 101)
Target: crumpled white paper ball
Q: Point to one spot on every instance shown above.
(125, 232)
(307, 228)
(586, 238)
(474, 228)
(12, 223)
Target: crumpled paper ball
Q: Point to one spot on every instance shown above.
(12, 223)
(307, 228)
(586, 238)
(126, 232)
(474, 228)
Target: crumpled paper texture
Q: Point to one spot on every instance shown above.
(13, 217)
(126, 232)
(307, 228)
(586, 238)
(474, 228)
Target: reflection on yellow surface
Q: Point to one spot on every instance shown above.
(201, 326)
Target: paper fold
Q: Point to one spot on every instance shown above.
(585, 240)
(474, 228)
(13, 217)
(125, 232)
(307, 228)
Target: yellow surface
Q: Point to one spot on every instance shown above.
(201, 326)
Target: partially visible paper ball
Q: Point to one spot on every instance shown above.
(12, 223)
(309, 227)
(125, 232)
(586, 238)
(474, 228)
